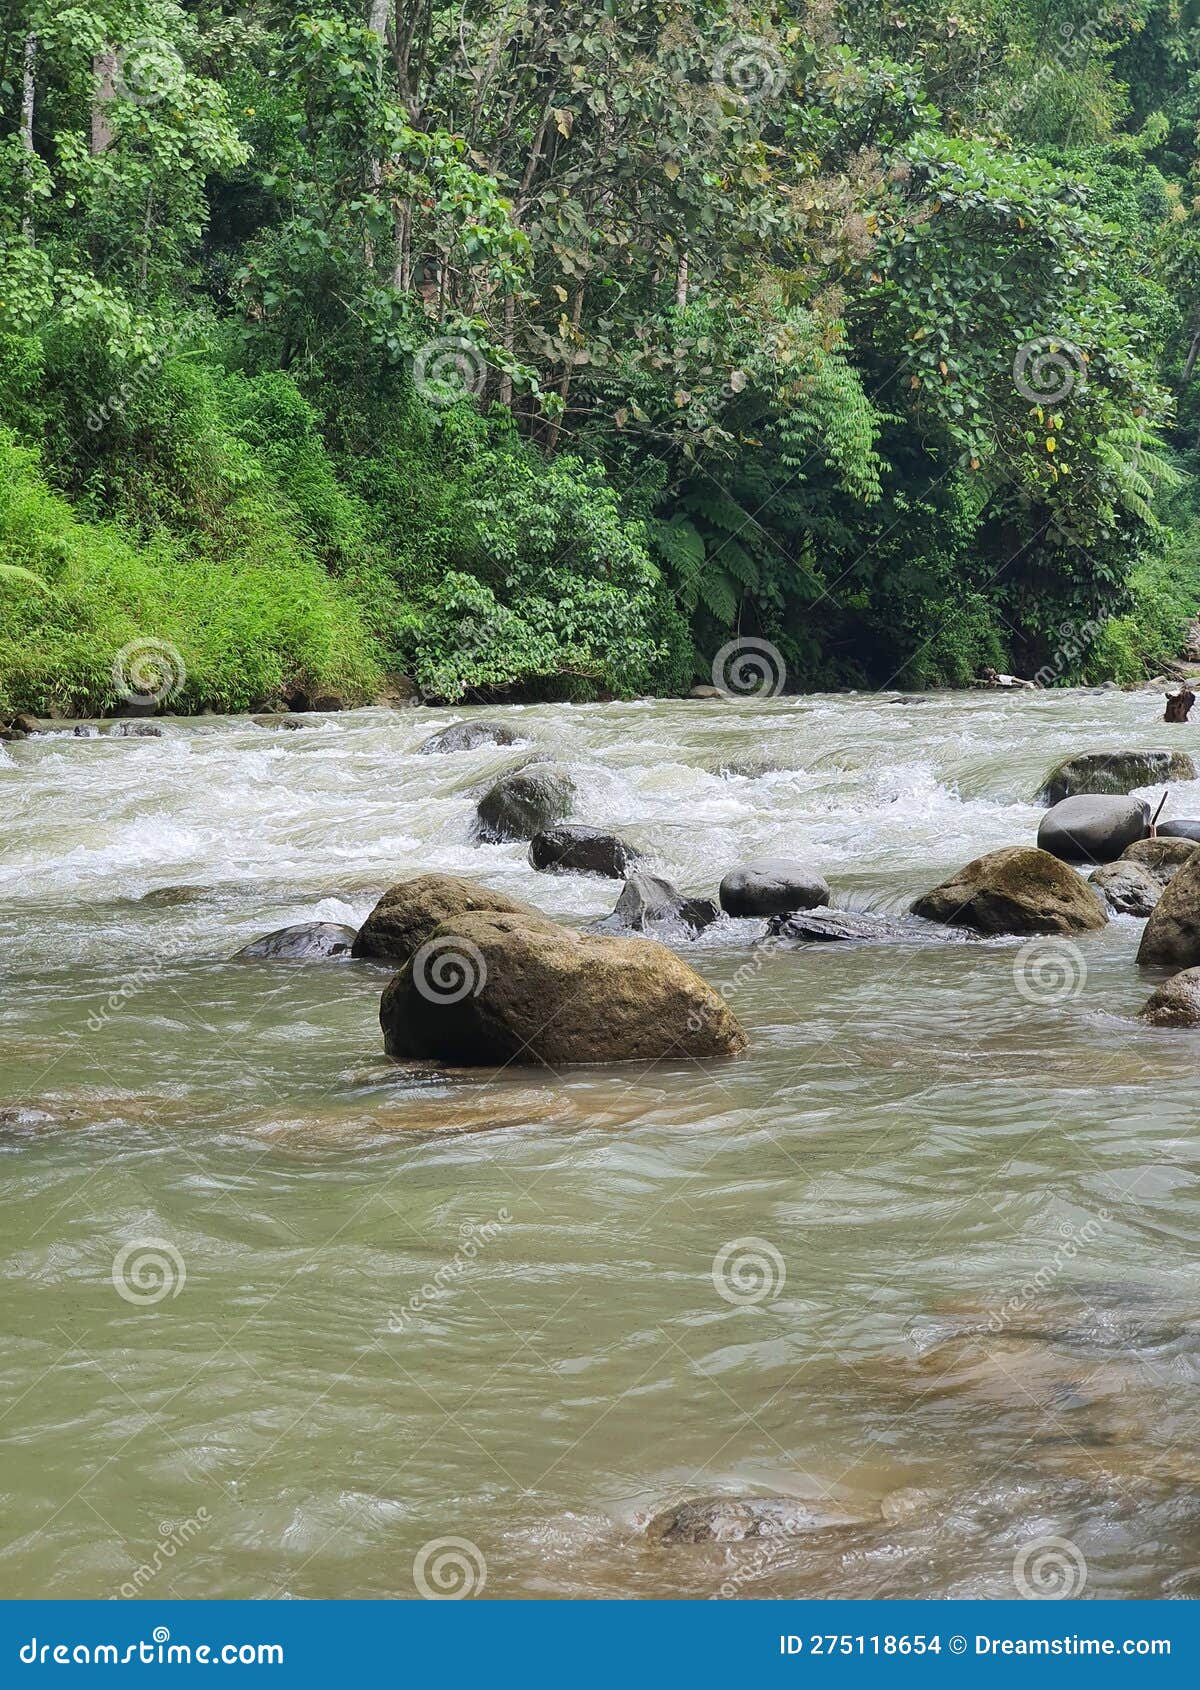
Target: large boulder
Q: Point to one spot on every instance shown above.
(467, 736)
(489, 989)
(1163, 858)
(311, 941)
(407, 914)
(1183, 829)
(1176, 1003)
(526, 802)
(1126, 887)
(582, 850)
(772, 886)
(1093, 830)
(649, 902)
(1016, 890)
(1172, 933)
(1114, 773)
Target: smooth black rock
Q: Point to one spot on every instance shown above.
(582, 850)
(528, 801)
(772, 886)
(466, 736)
(1183, 829)
(1093, 829)
(311, 941)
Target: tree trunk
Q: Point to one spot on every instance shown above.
(510, 315)
(104, 68)
(28, 63)
(681, 281)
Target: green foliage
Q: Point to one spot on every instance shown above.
(543, 349)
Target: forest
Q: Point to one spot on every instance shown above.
(539, 348)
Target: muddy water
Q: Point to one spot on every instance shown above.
(279, 1315)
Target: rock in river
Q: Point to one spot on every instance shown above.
(582, 850)
(467, 736)
(1093, 830)
(311, 941)
(1172, 933)
(1114, 773)
(1176, 1002)
(1126, 887)
(1182, 829)
(732, 1519)
(647, 901)
(772, 886)
(526, 802)
(827, 926)
(407, 914)
(1163, 858)
(490, 989)
(1017, 890)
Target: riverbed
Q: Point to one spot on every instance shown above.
(280, 1315)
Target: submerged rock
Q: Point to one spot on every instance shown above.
(1113, 773)
(524, 803)
(132, 730)
(582, 850)
(309, 941)
(828, 926)
(467, 736)
(1163, 858)
(1016, 890)
(772, 886)
(1176, 1003)
(1126, 887)
(407, 914)
(1173, 931)
(1093, 830)
(648, 901)
(733, 1519)
(490, 989)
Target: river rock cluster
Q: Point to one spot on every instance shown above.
(482, 979)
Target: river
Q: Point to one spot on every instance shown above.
(380, 1309)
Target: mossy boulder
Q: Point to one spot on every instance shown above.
(407, 914)
(1113, 773)
(526, 802)
(490, 988)
(1172, 935)
(1016, 890)
(1176, 1003)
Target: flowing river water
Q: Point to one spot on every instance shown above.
(952, 1197)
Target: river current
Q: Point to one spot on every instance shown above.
(280, 1316)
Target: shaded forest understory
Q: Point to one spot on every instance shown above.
(542, 348)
